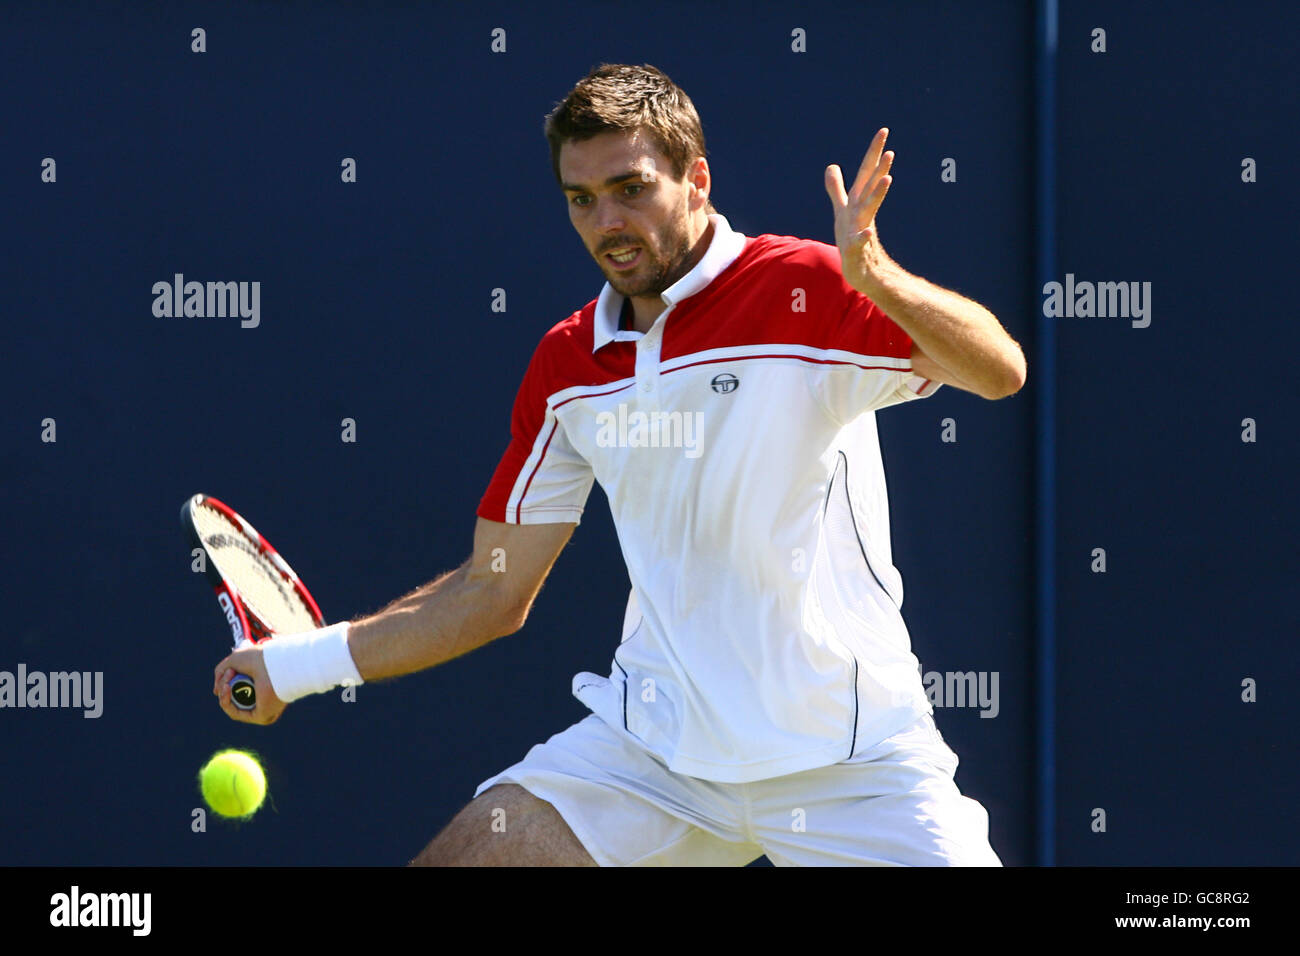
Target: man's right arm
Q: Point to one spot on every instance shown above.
(487, 597)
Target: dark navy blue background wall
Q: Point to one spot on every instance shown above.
(376, 306)
(1198, 527)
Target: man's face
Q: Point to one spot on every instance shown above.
(622, 197)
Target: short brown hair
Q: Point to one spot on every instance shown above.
(616, 97)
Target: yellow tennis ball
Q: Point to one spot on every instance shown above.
(233, 783)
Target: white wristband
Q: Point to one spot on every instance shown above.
(310, 663)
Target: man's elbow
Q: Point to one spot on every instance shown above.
(502, 617)
(1012, 379)
(498, 609)
(513, 621)
(511, 613)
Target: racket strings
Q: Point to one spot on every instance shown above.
(274, 605)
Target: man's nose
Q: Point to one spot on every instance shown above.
(609, 218)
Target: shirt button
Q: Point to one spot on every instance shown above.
(646, 386)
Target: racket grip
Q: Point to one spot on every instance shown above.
(242, 692)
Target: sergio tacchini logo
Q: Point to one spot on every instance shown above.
(725, 383)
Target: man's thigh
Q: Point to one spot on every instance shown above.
(896, 805)
(622, 806)
(505, 826)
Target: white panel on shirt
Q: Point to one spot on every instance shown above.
(558, 479)
(747, 661)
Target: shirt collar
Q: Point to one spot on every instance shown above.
(724, 247)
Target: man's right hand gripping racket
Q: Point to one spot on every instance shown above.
(255, 587)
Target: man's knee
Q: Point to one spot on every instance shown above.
(505, 826)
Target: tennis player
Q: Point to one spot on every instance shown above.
(764, 698)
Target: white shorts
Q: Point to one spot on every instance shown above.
(893, 805)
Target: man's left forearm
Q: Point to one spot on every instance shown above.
(960, 335)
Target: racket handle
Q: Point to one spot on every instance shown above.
(242, 693)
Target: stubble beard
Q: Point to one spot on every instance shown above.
(661, 272)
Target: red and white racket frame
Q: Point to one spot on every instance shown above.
(243, 626)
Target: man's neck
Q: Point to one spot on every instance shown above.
(639, 314)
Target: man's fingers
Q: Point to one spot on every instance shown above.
(864, 190)
(246, 660)
(221, 688)
(222, 666)
(835, 187)
(227, 705)
(866, 212)
(222, 691)
(882, 168)
(869, 163)
(869, 188)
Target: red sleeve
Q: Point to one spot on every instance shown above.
(540, 478)
(877, 353)
(862, 327)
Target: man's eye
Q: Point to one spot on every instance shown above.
(582, 200)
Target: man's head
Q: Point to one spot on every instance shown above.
(628, 150)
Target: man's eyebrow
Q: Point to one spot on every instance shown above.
(611, 181)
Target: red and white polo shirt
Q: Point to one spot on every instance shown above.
(736, 443)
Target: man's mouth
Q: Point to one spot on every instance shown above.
(625, 258)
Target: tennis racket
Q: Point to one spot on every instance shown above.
(255, 587)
